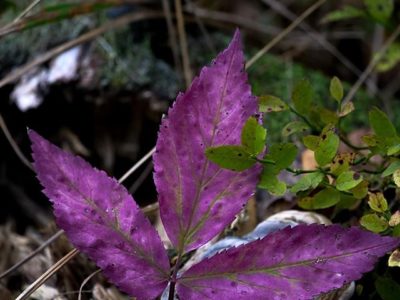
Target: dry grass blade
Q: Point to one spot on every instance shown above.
(46, 275)
(86, 281)
(31, 255)
(171, 33)
(285, 32)
(285, 12)
(183, 42)
(13, 144)
(374, 61)
(27, 10)
(126, 19)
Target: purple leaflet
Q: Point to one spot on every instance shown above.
(198, 198)
(102, 220)
(293, 263)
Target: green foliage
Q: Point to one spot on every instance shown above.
(374, 223)
(380, 10)
(302, 96)
(235, 158)
(387, 288)
(294, 127)
(327, 146)
(328, 197)
(347, 12)
(336, 89)
(308, 181)
(270, 103)
(253, 136)
(348, 180)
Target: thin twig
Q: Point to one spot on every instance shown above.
(86, 281)
(126, 19)
(31, 255)
(183, 42)
(285, 32)
(374, 61)
(13, 144)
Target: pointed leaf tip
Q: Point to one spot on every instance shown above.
(293, 263)
(197, 197)
(102, 220)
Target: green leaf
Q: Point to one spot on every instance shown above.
(326, 198)
(380, 10)
(348, 180)
(396, 231)
(311, 142)
(370, 140)
(282, 154)
(394, 150)
(374, 223)
(327, 147)
(308, 181)
(294, 127)
(387, 288)
(393, 166)
(390, 58)
(270, 103)
(235, 158)
(346, 109)
(396, 177)
(253, 136)
(269, 181)
(336, 89)
(327, 116)
(377, 202)
(381, 124)
(347, 202)
(347, 12)
(360, 191)
(302, 96)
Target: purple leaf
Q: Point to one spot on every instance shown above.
(293, 263)
(102, 220)
(198, 198)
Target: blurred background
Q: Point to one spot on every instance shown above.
(95, 77)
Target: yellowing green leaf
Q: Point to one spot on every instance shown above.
(396, 177)
(395, 219)
(381, 124)
(302, 96)
(370, 140)
(270, 103)
(348, 180)
(360, 191)
(341, 163)
(374, 223)
(336, 89)
(393, 150)
(235, 158)
(282, 154)
(346, 109)
(327, 116)
(269, 181)
(308, 181)
(253, 136)
(326, 198)
(396, 231)
(377, 202)
(327, 147)
(393, 166)
(390, 59)
(394, 259)
(294, 127)
(347, 12)
(380, 10)
(311, 141)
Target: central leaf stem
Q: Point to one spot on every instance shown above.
(172, 283)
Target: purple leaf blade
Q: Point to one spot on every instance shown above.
(198, 198)
(294, 263)
(102, 220)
